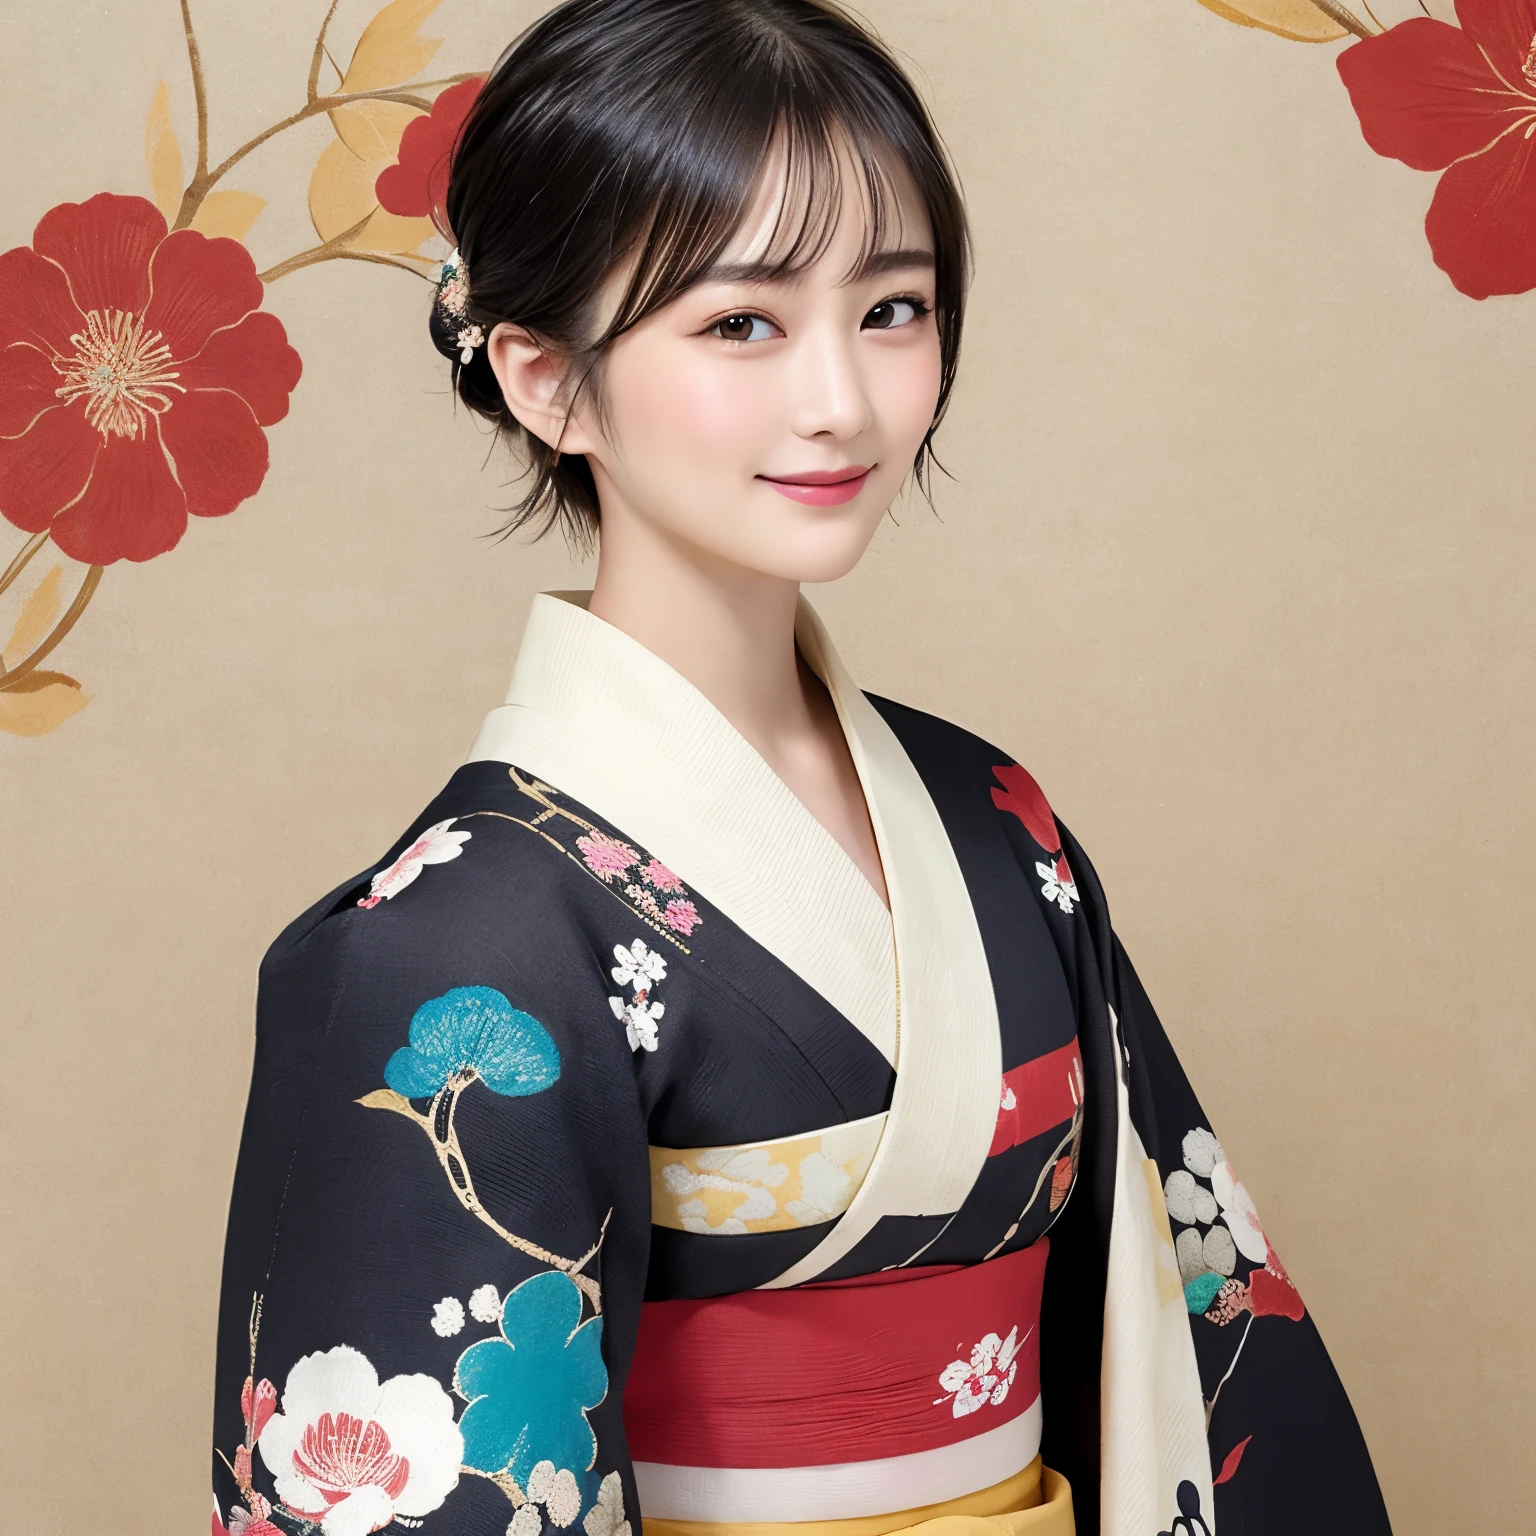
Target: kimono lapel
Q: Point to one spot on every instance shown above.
(597, 716)
(593, 713)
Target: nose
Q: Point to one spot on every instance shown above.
(831, 396)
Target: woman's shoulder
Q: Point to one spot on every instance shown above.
(470, 871)
(948, 756)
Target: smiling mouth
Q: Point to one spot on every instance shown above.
(821, 487)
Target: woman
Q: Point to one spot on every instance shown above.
(728, 1102)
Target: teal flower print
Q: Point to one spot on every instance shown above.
(469, 1033)
(529, 1391)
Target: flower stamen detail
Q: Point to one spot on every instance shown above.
(120, 367)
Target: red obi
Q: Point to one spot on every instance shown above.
(838, 1398)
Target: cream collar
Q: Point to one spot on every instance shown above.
(595, 714)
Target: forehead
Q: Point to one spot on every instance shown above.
(828, 207)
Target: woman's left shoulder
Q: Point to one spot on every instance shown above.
(957, 764)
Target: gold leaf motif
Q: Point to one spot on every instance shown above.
(163, 155)
(36, 619)
(389, 51)
(372, 130)
(228, 213)
(1300, 20)
(39, 702)
(387, 1098)
(341, 185)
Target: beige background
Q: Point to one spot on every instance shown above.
(1237, 559)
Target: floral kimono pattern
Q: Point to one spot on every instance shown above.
(445, 1224)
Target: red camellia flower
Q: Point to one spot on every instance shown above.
(137, 370)
(1461, 100)
(416, 185)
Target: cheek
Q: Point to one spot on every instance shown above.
(678, 407)
(905, 388)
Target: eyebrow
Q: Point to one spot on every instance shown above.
(873, 265)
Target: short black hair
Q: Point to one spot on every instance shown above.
(616, 131)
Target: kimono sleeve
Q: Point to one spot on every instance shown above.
(439, 1227)
(1286, 1450)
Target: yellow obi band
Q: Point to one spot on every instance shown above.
(1034, 1502)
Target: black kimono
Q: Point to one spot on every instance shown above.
(613, 1150)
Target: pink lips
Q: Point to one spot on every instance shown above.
(821, 487)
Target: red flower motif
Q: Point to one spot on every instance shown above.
(1463, 101)
(137, 371)
(342, 1453)
(1271, 1292)
(1061, 1181)
(416, 185)
(1024, 797)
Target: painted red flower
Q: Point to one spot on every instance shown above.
(1461, 100)
(1024, 797)
(137, 371)
(416, 185)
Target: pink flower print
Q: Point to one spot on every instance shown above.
(258, 1402)
(663, 878)
(985, 1377)
(243, 1465)
(435, 846)
(606, 856)
(681, 917)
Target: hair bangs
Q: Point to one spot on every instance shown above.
(635, 140)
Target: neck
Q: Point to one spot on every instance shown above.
(727, 629)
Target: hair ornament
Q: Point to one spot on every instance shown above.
(452, 305)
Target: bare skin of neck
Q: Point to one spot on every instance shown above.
(730, 631)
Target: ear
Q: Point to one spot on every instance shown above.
(532, 380)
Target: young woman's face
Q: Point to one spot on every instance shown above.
(770, 423)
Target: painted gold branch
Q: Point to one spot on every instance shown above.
(438, 1123)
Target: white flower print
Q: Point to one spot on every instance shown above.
(1059, 886)
(985, 1378)
(448, 1317)
(641, 967)
(638, 964)
(485, 1304)
(1187, 1201)
(559, 1493)
(1237, 1210)
(1202, 1152)
(437, 845)
(606, 1517)
(639, 1020)
(527, 1521)
(351, 1452)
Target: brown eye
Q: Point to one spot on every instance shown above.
(742, 328)
(890, 313)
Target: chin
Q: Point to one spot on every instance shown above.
(811, 544)
(824, 558)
